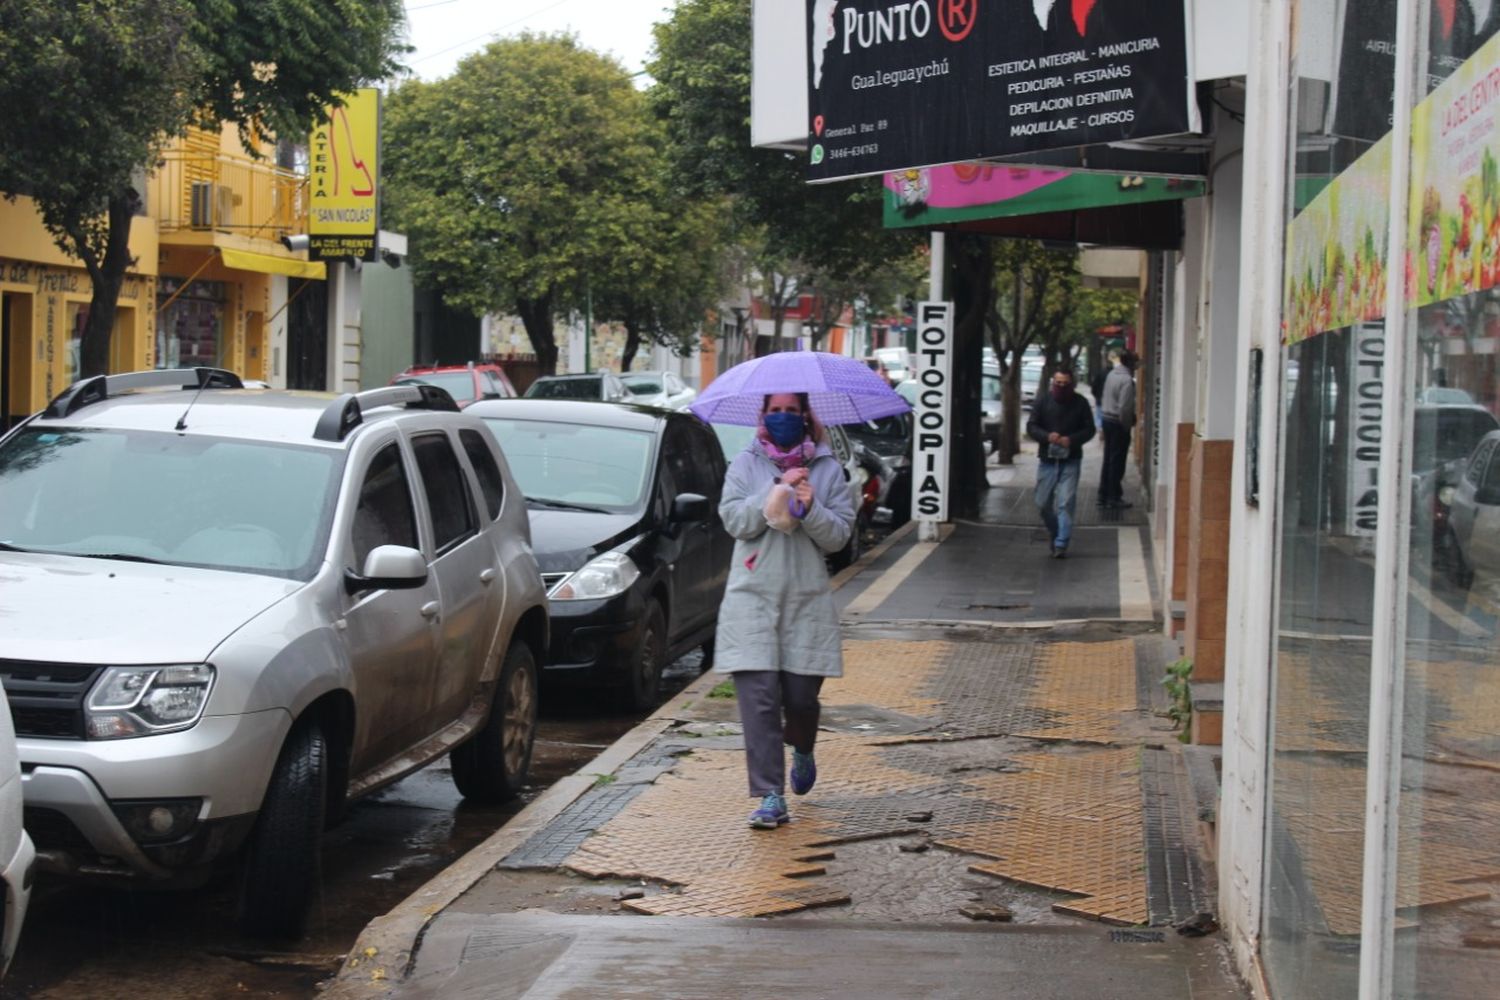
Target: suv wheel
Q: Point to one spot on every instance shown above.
(646, 665)
(284, 859)
(492, 765)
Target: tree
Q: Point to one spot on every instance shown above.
(702, 97)
(93, 89)
(521, 179)
(1034, 299)
(1096, 308)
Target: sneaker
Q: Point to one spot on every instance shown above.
(1060, 552)
(804, 772)
(771, 814)
(1121, 504)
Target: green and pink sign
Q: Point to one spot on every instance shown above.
(968, 192)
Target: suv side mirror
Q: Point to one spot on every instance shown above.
(690, 507)
(388, 567)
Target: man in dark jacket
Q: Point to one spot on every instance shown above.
(1060, 423)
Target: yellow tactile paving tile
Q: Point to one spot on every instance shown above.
(1091, 687)
(1321, 802)
(1069, 821)
(1075, 826)
(888, 674)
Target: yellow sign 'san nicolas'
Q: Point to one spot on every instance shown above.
(344, 173)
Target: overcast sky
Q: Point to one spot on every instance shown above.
(444, 31)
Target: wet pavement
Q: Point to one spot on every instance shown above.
(83, 942)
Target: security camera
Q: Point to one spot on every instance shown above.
(392, 260)
(297, 243)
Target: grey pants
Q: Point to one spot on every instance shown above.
(763, 696)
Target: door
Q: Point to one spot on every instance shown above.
(463, 562)
(390, 635)
(695, 464)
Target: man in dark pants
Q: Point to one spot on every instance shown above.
(1117, 408)
(1060, 423)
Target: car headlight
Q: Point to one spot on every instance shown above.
(1445, 496)
(144, 701)
(606, 576)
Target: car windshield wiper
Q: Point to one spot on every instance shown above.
(565, 505)
(118, 556)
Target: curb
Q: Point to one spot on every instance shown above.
(383, 954)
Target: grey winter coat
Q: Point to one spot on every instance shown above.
(778, 613)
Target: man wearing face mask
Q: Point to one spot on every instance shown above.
(1061, 422)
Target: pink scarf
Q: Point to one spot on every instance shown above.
(785, 459)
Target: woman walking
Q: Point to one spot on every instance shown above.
(786, 503)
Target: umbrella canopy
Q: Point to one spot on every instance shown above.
(840, 390)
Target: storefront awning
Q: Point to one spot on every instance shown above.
(248, 260)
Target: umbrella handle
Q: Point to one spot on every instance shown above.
(797, 508)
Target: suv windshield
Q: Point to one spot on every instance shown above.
(460, 385)
(586, 387)
(171, 498)
(576, 463)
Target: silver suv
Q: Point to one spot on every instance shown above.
(224, 613)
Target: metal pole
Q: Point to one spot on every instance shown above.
(938, 265)
(588, 324)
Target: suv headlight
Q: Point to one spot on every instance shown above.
(606, 576)
(144, 701)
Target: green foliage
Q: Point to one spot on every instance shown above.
(827, 238)
(723, 689)
(1179, 691)
(605, 780)
(522, 178)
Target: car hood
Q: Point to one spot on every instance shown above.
(564, 540)
(73, 610)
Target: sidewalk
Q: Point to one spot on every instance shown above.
(999, 812)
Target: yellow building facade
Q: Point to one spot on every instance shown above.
(209, 284)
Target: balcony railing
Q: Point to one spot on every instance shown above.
(218, 193)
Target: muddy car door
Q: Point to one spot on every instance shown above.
(389, 634)
(463, 560)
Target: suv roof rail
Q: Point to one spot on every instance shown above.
(87, 391)
(347, 411)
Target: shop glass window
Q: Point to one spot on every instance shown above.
(1447, 879)
(1332, 365)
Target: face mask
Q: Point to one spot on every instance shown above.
(1061, 393)
(786, 429)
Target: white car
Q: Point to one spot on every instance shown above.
(1475, 512)
(16, 853)
(897, 362)
(663, 389)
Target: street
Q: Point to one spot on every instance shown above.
(83, 942)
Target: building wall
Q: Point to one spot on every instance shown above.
(46, 294)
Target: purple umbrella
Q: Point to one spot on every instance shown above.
(840, 390)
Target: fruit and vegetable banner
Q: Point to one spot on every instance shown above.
(1453, 233)
(1336, 245)
(1336, 251)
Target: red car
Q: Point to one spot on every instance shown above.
(465, 383)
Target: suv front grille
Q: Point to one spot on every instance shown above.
(550, 580)
(46, 699)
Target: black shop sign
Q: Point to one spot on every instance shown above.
(898, 85)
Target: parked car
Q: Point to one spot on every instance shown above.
(889, 440)
(624, 507)
(1031, 376)
(1475, 515)
(897, 361)
(465, 383)
(864, 487)
(604, 386)
(880, 368)
(1445, 396)
(664, 389)
(17, 856)
(989, 404)
(293, 600)
(1443, 438)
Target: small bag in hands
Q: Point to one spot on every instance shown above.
(778, 508)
